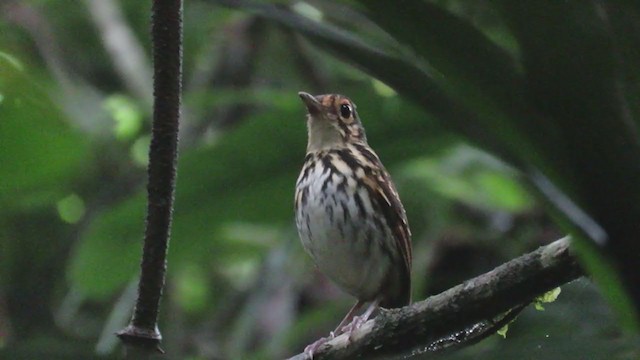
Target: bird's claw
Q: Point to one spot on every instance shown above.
(313, 347)
(355, 324)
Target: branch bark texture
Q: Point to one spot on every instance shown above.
(143, 331)
(463, 312)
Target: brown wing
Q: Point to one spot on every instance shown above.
(395, 215)
(384, 193)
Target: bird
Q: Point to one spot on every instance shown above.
(348, 213)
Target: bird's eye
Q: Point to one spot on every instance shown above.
(345, 111)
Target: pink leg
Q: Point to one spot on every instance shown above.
(312, 348)
(359, 320)
(347, 318)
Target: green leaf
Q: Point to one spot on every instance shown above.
(192, 290)
(9, 60)
(71, 208)
(474, 69)
(503, 331)
(108, 254)
(472, 177)
(548, 297)
(39, 151)
(606, 276)
(585, 132)
(126, 115)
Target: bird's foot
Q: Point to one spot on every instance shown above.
(313, 347)
(354, 325)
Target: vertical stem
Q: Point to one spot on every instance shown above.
(143, 330)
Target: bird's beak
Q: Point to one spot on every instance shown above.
(313, 105)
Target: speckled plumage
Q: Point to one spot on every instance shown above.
(348, 213)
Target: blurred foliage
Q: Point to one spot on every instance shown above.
(552, 109)
(74, 138)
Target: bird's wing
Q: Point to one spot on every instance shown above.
(384, 194)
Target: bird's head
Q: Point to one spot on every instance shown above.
(332, 121)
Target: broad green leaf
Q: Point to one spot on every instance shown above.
(574, 80)
(38, 150)
(108, 253)
(469, 176)
(474, 70)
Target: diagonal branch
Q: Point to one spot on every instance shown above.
(463, 314)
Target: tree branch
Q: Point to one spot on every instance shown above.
(142, 332)
(461, 315)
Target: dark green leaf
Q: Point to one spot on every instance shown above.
(474, 69)
(409, 80)
(593, 151)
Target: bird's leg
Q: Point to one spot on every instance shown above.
(359, 320)
(313, 347)
(350, 316)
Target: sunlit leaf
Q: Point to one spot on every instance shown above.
(471, 177)
(548, 297)
(503, 331)
(126, 114)
(71, 208)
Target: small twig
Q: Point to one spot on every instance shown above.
(142, 332)
(423, 325)
(124, 49)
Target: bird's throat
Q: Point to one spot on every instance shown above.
(323, 135)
